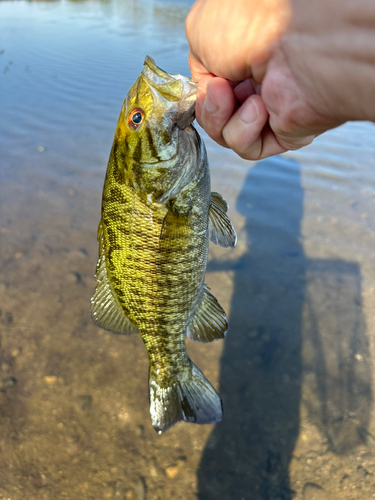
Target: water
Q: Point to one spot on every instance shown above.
(296, 371)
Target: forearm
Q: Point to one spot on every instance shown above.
(330, 47)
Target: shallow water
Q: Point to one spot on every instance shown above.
(296, 372)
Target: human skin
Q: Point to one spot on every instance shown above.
(274, 74)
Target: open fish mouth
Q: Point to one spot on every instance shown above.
(174, 88)
(158, 76)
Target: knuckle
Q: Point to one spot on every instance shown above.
(237, 139)
(295, 143)
(246, 151)
(253, 153)
(230, 135)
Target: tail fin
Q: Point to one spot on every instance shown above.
(190, 397)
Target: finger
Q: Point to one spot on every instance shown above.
(256, 86)
(198, 70)
(243, 90)
(250, 136)
(218, 106)
(291, 143)
(248, 133)
(274, 144)
(201, 96)
(243, 132)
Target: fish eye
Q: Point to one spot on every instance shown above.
(135, 118)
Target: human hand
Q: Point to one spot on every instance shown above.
(256, 121)
(291, 62)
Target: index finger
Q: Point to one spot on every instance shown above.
(198, 70)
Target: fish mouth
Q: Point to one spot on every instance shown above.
(175, 88)
(158, 76)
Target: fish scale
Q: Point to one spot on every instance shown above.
(158, 214)
(145, 270)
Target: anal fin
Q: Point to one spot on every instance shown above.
(210, 321)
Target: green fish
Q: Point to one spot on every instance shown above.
(158, 216)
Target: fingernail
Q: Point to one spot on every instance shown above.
(209, 104)
(249, 111)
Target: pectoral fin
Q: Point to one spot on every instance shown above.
(220, 200)
(210, 321)
(220, 229)
(105, 308)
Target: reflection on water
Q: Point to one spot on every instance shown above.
(296, 370)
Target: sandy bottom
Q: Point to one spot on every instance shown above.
(295, 372)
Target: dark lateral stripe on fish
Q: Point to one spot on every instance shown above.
(113, 214)
(118, 175)
(116, 217)
(144, 280)
(126, 147)
(118, 196)
(112, 238)
(139, 82)
(116, 282)
(164, 135)
(151, 144)
(112, 210)
(124, 230)
(137, 153)
(119, 292)
(156, 294)
(171, 349)
(144, 248)
(113, 249)
(137, 243)
(119, 156)
(167, 361)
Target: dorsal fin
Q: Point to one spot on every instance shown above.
(105, 308)
(220, 229)
(210, 321)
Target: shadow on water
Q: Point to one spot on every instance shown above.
(296, 332)
(336, 362)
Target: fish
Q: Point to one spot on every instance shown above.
(158, 216)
